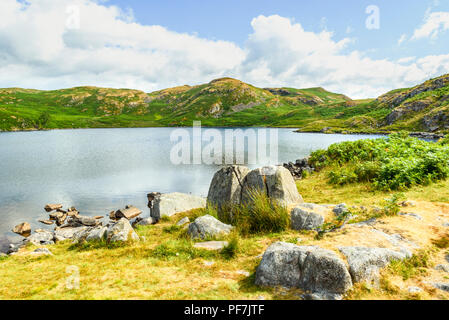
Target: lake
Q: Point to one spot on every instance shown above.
(100, 170)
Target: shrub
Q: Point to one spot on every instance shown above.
(260, 215)
(231, 250)
(393, 163)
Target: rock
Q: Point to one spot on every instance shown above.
(98, 217)
(97, 234)
(112, 215)
(52, 207)
(413, 215)
(414, 289)
(211, 245)
(322, 296)
(3, 255)
(324, 272)
(442, 267)
(129, 213)
(243, 273)
(121, 231)
(22, 229)
(340, 209)
(369, 222)
(305, 220)
(207, 226)
(85, 220)
(47, 222)
(63, 234)
(226, 186)
(442, 286)
(275, 181)
(42, 251)
(145, 222)
(309, 268)
(365, 263)
(446, 224)
(41, 237)
(208, 263)
(408, 203)
(281, 265)
(169, 204)
(183, 221)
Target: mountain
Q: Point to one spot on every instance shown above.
(227, 102)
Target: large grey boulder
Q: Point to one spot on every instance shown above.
(281, 265)
(121, 231)
(365, 263)
(41, 237)
(324, 272)
(275, 181)
(97, 234)
(169, 204)
(63, 234)
(302, 219)
(309, 268)
(207, 227)
(226, 186)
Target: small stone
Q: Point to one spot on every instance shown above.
(340, 209)
(98, 217)
(414, 289)
(243, 273)
(208, 226)
(52, 207)
(47, 222)
(408, 203)
(208, 263)
(413, 215)
(305, 220)
(183, 221)
(211, 245)
(42, 251)
(22, 229)
(442, 286)
(145, 222)
(442, 267)
(129, 213)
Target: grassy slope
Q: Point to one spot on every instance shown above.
(222, 102)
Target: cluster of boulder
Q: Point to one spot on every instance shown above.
(71, 225)
(300, 168)
(319, 272)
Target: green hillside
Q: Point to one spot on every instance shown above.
(227, 102)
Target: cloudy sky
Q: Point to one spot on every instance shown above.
(356, 47)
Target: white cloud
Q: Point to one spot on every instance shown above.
(402, 39)
(111, 49)
(434, 24)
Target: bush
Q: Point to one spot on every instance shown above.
(231, 250)
(393, 163)
(260, 215)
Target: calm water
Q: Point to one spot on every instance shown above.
(99, 170)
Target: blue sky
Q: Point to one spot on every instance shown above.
(230, 20)
(151, 45)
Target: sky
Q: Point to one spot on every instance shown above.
(355, 47)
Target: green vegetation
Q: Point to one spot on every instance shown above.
(223, 102)
(393, 163)
(260, 215)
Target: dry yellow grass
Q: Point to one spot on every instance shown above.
(134, 271)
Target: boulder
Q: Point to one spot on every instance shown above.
(305, 220)
(340, 209)
(63, 234)
(41, 237)
(129, 213)
(97, 234)
(121, 231)
(442, 286)
(281, 265)
(442, 267)
(208, 227)
(275, 181)
(85, 220)
(211, 245)
(169, 204)
(226, 186)
(82, 234)
(183, 221)
(22, 229)
(309, 268)
(144, 222)
(52, 207)
(324, 272)
(365, 263)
